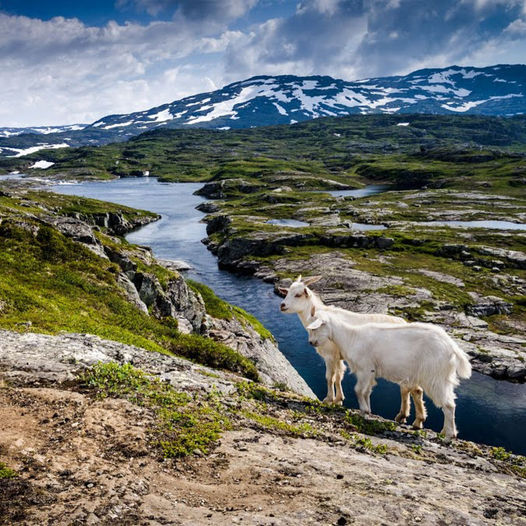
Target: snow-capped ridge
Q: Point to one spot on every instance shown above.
(265, 100)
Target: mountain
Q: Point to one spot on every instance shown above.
(40, 130)
(287, 99)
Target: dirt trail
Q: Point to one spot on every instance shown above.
(87, 461)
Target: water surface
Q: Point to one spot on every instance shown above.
(359, 192)
(487, 411)
(494, 225)
(287, 222)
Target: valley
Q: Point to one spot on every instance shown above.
(359, 200)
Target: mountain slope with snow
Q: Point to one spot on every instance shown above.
(40, 130)
(287, 99)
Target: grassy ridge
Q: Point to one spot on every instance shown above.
(49, 283)
(328, 146)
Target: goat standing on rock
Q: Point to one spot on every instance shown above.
(300, 300)
(414, 354)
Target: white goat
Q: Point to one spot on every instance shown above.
(413, 354)
(300, 300)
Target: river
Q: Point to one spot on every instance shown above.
(488, 411)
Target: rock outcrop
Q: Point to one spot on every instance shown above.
(33, 359)
(226, 187)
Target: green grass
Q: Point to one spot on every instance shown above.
(323, 147)
(368, 426)
(184, 426)
(51, 284)
(302, 429)
(6, 472)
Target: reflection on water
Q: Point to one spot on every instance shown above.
(365, 226)
(287, 222)
(487, 411)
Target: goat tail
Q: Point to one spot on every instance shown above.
(463, 367)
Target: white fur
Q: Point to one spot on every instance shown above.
(415, 354)
(302, 300)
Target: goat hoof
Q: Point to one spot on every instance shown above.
(338, 402)
(327, 400)
(400, 418)
(417, 424)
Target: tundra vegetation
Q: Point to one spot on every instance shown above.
(49, 282)
(438, 167)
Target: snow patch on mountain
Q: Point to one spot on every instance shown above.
(33, 149)
(42, 164)
(287, 99)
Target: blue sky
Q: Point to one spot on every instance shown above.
(67, 62)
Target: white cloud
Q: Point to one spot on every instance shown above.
(218, 10)
(62, 71)
(517, 28)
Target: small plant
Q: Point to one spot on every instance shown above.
(500, 453)
(364, 443)
(184, 426)
(417, 448)
(422, 433)
(269, 422)
(367, 443)
(6, 472)
(255, 391)
(368, 426)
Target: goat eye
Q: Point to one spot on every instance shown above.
(299, 295)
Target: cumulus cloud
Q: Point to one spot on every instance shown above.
(63, 71)
(356, 39)
(517, 28)
(318, 38)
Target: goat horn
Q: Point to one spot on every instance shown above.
(311, 280)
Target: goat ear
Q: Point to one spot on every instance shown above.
(298, 279)
(306, 292)
(313, 311)
(283, 290)
(310, 280)
(316, 324)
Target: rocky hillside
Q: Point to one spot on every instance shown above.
(64, 267)
(328, 148)
(89, 439)
(421, 250)
(287, 99)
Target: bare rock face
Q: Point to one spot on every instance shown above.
(38, 359)
(217, 223)
(220, 189)
(131, 292)
(488, 305)
(272, 365)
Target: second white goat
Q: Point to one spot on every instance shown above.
(415, 354)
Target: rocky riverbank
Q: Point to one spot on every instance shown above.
(151, 287)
